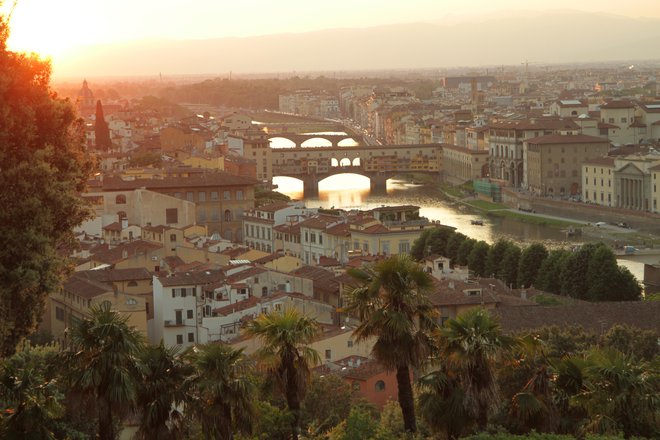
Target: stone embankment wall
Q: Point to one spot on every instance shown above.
(644, 221)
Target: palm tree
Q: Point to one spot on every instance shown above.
(30, 401)
(620, 393)
(103, 355)
(471, 343)
(286, 356)
(391, 302)
(222, 394)
(441, 402)
(161, 393)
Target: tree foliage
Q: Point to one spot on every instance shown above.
(42, 169)
(286, 356)
(530, 263)
(101, 129)
(391, 302)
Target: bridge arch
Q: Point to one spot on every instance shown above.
(317, 141)
(281, 142)
(348, 142)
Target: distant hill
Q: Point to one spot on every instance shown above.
(562, 36)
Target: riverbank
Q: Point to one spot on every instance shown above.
(590, 231)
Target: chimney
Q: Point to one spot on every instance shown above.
(287, 286)
(124, 223)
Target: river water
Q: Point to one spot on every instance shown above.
(351, 191)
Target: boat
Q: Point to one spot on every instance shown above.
(477, 222)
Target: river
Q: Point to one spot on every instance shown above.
(348, 191)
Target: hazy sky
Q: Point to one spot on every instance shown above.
(52, 27)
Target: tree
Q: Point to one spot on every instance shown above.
(30, 402)
(607, 281)
(495, 257)
(574, 272)
(285, 355)
(101, 129)
(477, 258)
(103, 362)
(222, 392)
(464, 251)
(320, 412)
(391, 302)
(160, 392)
(42, 170)
(530, 262)
(549, 275)
(509, 266)
(470, 345)
(453, 244)
(620, 393)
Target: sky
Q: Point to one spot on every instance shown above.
(59, 28)
(51, 27)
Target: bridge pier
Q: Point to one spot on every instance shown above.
(378, 184)
(310, 186)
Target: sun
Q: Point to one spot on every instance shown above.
(48, 28)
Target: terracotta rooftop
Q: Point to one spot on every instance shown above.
(126, 250)
(191, 278)
(115, 275)
(553, 139)
(605, 161)
(114, 226)
(214, 179)
(599, 317)
(86, 288)
(618, 104)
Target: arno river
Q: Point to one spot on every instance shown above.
(349, 191)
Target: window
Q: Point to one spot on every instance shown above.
(201, 196)
(239, 194)
(328, 354)
(349, 344)
(173, 237)
(313, 237)
(379, 386)
(264, 291)
(131, 302)
(132, 283)
(214, 195)
(191, 337)
(171, 215)
(228, 216)
(59, 314)
(190, 196)
(226, 195)
(404, 247)
(120, 199)
(320, 238)
(179, 339)
(189, 314)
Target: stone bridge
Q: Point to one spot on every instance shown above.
(378, 163)
(334, 139)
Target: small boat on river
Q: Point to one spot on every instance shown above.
(477, 222)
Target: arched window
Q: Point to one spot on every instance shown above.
(264, 291)
(120, 199)
(227, 215)
(379, 386)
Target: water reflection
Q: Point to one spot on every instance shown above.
(351, 191)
